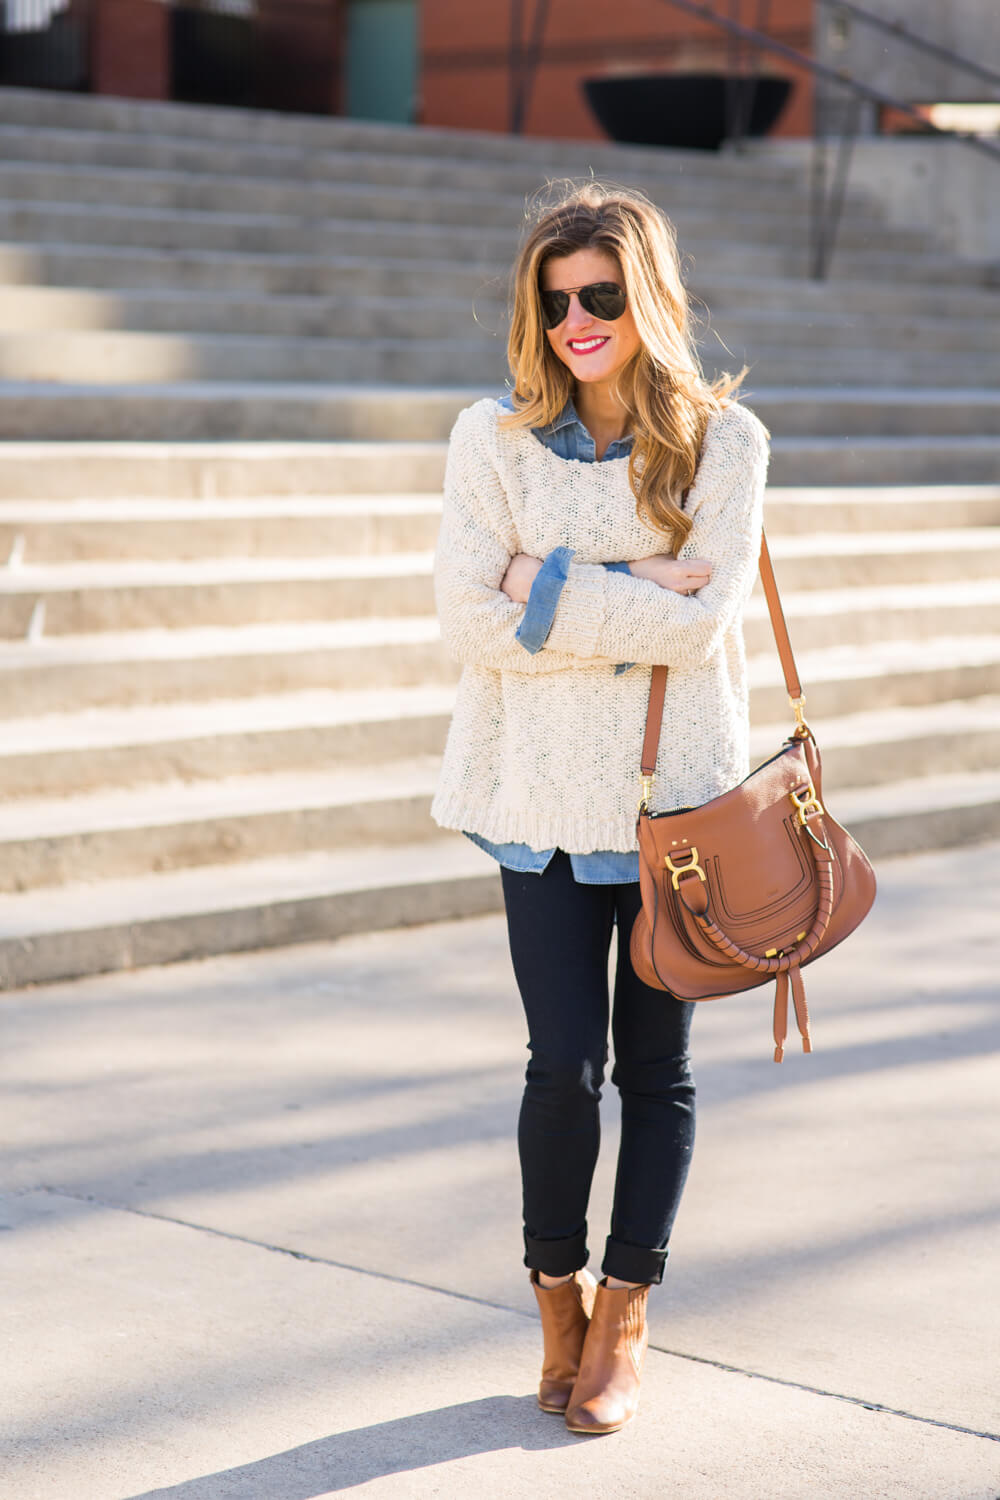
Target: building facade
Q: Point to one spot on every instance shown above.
(506, 65)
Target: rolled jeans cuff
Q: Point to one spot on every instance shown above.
(556, 1257)
(633, 1262)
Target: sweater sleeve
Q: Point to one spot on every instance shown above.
(615, 615)
(478, 538)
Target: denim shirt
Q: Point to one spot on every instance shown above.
(567, 438)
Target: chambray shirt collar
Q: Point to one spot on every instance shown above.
(566, 418)
(571, 439)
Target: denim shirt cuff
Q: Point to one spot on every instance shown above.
(543, 601)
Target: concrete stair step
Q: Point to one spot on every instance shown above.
(83, 597)
(117, 267)
(836, 331)
(850, 264)
(75, 264)
(56, 531)
(136, 830)
(874, 411)
(779, 297)
(262, 233)
(834, 560)
(113, 356)
(254, 195)
(164, 918)
(170, 825)
(785, 216)
(667, 177)
(883, 747)
(889, 460)
(859, 616)
(853, 614)
(61, 754)
(47, 309)
(854, 422)
(922, 813)
(63, 673)
(475, 355)
(281, 431)
(58, 674)
(243, 469)
(841, 680)
(250, 129)
(672, 172)
(837, 368)
(276, 438)
(812, 509)
(490, 249)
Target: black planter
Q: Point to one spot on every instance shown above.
(212, 57)
(53, 58)
(697, 111)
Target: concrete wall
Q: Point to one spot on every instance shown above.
(968, 27)
(924, 183)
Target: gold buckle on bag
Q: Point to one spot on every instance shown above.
(806, 803)
(694, 868)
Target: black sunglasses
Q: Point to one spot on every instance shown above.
(602, 299)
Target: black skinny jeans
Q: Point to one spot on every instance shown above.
(560, 936)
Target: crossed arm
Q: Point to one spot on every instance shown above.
(665, 570)
(662, 609)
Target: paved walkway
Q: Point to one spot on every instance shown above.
(266, 1241)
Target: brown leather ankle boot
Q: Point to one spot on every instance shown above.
(606, 1393)
(565, 1314)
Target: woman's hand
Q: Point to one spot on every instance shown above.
(664, 569)
(520, 575)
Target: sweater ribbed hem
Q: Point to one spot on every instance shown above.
(582, 835)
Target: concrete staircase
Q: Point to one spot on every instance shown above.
(231, 347)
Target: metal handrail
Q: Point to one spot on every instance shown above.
(825, 208)
(524, 59)
(912, 38)
(833, 75)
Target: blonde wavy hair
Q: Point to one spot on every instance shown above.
(663, 388)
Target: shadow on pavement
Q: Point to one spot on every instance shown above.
(347, 1459)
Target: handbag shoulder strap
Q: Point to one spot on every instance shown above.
(658, 683)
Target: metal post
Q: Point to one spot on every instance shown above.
(827, 208)
(524, 58)
(514, 67)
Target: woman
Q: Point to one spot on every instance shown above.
(603, 517)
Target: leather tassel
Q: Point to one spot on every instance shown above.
(780, 1014)
(801, 1009)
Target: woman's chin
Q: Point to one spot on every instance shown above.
(588, 373)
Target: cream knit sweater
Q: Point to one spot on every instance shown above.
(544, 750)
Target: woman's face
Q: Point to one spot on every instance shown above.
(592, 350)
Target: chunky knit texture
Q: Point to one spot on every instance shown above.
(544, 749)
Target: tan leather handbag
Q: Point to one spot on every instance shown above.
(754, 884)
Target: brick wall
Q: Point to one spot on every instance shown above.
(129, 48)
(466, 78)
